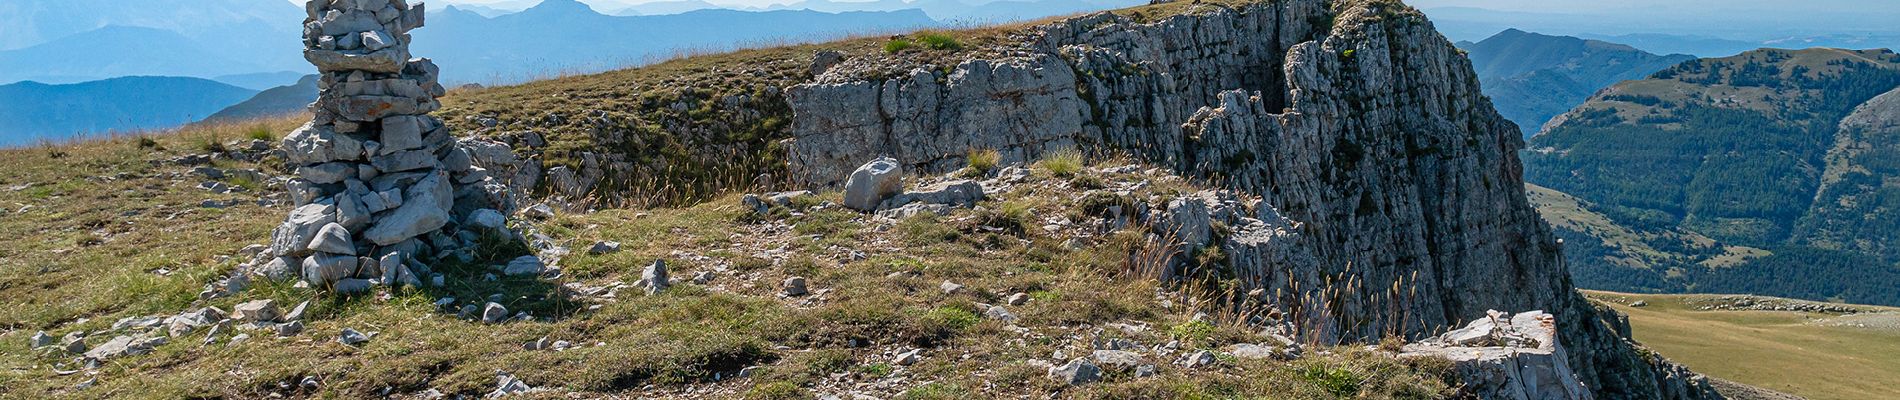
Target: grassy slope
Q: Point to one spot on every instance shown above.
(77, 260)
(1778, 350)
(705, 124)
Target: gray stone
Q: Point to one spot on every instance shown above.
(289, 329)
(354, 286)
(296, 313)
(794, 287)
(1000, 314)
(872, 183)
(350, 337)
(41, 339)
(494, 313)
(605, 247)
(421, 213)
(908, 358)
(1249, 351)
(404, 161)
(655, 278)
(949, 287)
(824, 60)
(954, 193)
(488, 219)
(507, 385)
(1018, 299)
(540, 212)
(1516, 358)
(327, 269)
(524, 266)
(400, 134)
(327, 173)
(256, 311)
(1117, 359)
(293, 237)
(125, 346)
(333, 239)
(1076, 372)
(1198, 359)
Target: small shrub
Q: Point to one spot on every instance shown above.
(1194, 332)
(1335, 380)
(1392, 343)
(878, 370)
(898, 45)
(260, 132)
(1063, 163)
(985, 161)
(949, 319)
(147, 143)
(940, 41)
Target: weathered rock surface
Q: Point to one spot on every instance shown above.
(872, 183)
(1508, 357)
(1356, 132)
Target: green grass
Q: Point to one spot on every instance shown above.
(91, 251)
(898, 45)
(939, 41)
(1782, 351)
(1063, 163)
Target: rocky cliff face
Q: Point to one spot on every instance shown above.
(1362, 128)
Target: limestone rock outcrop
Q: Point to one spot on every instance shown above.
(1508, 357)
(382, 188)
(1375, 159)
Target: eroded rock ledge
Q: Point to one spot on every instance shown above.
(1362, 128)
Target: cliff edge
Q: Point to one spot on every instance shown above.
(1355, 121)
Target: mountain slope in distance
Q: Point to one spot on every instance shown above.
(1739, 173)
(272, 102)
(1532, 78)
(32, 111)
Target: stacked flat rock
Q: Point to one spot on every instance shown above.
(382, 188)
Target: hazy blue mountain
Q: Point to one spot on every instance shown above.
(1532, 78)
(250, 32)
(484, 10)
(118, 51)
(275, 101)
(1698, 29)
(668, 7)
(261, 80)
(1700, 46)
(566, 36)
(30, 111)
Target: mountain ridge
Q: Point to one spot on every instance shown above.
(37, 111)
(1533, 78)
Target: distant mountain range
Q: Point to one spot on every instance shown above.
(1532, 78)
(1770, 172)
(31, 111)
(271, 102)
(1683, 27)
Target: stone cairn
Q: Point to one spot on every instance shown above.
(382, 189)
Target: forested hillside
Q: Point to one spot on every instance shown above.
(1734, 174)
(1532, 78)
